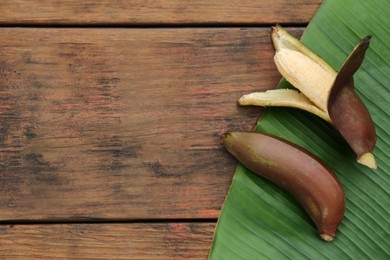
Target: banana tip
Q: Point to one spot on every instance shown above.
(227, 140)
(367, 39)
(223, 137)
(241, 100)
(368, 160)
(277, 27)
(326, 237)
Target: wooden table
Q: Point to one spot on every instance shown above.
(111, 113)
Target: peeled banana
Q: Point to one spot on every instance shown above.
(321, 91)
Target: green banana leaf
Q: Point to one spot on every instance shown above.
(261, 221)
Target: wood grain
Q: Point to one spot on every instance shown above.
(107, 241)
(156, 12)
(123, 124)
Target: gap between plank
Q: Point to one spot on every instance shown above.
(106, 221)
(152, 25)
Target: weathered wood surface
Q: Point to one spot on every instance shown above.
(123, 124)
(156, 12)
(107, 241)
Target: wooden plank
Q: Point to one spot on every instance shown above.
(107, 241)
(156, 12)
(123, 124)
